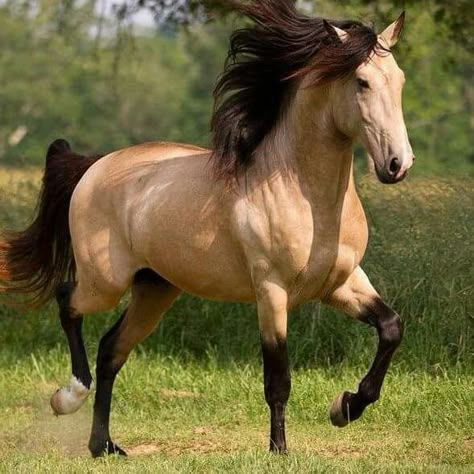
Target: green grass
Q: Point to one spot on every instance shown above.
(190, 398)
(177, 416)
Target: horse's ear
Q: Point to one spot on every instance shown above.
(335, 33)
(392, 33)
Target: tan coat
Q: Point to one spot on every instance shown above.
(291, 230)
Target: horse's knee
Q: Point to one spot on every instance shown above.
(389, 326)
(388, 323)
(391, 330)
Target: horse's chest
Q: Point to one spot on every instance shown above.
(307, 251)
(328, 268)
(337, 248)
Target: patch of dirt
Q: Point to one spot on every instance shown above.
(177, 448)
(143, 450)
(203, 440)
(194, 446)
(202, 430)
(351, 447)
(66, 434)
(167, 393)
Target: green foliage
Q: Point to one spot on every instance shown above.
(100, 95)
(438, 97)
(67, 72)
(453, 16)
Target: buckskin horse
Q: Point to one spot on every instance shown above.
(271, 215)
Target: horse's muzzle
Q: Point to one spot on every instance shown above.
(395, 170)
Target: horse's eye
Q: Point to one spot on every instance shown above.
(363, 84)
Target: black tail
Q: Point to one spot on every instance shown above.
(35, 261)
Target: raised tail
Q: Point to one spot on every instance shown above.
(35, 261)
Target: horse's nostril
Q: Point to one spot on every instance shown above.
(395, 166)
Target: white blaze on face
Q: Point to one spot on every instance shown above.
(69, 399)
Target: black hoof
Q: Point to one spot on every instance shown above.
(105, 448)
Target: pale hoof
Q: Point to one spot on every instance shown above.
(69, 399)
(336, 413)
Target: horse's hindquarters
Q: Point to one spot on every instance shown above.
(157, 212)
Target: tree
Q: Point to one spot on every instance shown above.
(455, 14)
(64, 73)
(166, 11)
(70, 88)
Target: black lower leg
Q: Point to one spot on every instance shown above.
(107, 369)
(390, 331)
(72, 327)
(277, 382)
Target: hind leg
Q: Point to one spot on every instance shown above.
(74, 300)
(151, 296)
(69, 399)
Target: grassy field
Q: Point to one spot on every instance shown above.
(191, 400)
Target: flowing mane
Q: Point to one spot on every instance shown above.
(263, 62)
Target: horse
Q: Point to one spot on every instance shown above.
(270, 215)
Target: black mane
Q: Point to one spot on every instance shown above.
(263, 61)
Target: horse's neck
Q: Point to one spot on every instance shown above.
(307, 148)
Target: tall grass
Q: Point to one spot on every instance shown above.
(419, 258)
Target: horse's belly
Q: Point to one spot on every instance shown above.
(208, 274)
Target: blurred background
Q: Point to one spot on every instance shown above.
(106, 74)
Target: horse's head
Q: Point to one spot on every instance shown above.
(369, 108)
